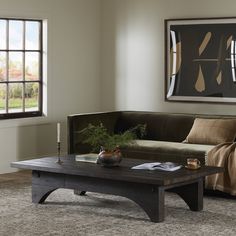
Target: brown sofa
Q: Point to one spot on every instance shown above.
(163, 141)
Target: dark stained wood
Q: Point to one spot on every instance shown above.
(123, 172)
(146, 188)
(40, 193)
(149, 197)
(192, 194)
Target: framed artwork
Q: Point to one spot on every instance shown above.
(200, 60)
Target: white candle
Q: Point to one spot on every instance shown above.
(58, 132)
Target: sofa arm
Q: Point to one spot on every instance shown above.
(77, 122)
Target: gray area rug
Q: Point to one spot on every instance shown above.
(96, 214)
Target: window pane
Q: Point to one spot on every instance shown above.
(15, 102)
(15, 34)
(20, 68)
(15, 66)
(32, 35)
(31, 96)
(2, 98)
(2, 66)
(32, 66)
(3, 25)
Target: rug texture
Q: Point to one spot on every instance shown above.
(64, 213)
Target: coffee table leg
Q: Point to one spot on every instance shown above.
(152, 202)
(192, 194)
(44, 183)
(40, 193)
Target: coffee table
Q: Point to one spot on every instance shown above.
(146, 188)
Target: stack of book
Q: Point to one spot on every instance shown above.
(89, 157)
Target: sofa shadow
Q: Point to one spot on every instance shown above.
(216, 193)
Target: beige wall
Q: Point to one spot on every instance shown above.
(133, 52)
(73, 74)
(102, 55)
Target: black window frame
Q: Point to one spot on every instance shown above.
(24, 114)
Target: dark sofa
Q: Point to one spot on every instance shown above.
(163, 141)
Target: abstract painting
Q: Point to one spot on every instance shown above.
(201, 60)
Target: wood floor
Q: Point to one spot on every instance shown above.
(24, 174)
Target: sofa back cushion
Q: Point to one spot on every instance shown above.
(160, 126)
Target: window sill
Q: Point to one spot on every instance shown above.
(30, 121)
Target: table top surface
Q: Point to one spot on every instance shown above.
(121, 173)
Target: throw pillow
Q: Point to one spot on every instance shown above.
(212, 131)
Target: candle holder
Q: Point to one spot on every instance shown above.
(59, 161)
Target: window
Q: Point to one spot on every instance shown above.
(20, 68)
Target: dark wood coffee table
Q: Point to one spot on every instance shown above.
(146, 188)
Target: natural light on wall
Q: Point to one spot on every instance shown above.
(134, 59)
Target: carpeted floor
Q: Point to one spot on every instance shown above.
(95, 214)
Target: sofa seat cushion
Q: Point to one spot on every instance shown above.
(166, 151)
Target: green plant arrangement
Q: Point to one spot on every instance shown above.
(98, 137)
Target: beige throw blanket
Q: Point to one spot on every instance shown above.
(223, 155)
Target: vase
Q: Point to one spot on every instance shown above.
(109, 158)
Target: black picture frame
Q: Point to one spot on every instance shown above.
(200, 60)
